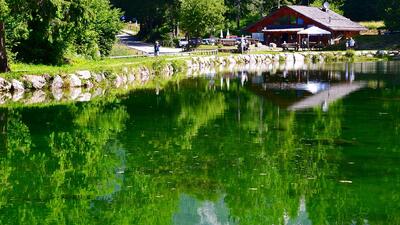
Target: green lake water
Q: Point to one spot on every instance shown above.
(225, 148)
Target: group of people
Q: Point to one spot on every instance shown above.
(350, 43)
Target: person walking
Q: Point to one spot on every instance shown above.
(157, 49)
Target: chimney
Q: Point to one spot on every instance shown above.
(325, 7)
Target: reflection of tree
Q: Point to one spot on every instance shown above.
(15, 141)
(53, 180)
(195, 116)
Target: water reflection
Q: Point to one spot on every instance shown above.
(221, 149)
(195, 212)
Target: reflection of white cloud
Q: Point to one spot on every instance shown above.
(314, 87)
(302, 215)
(207, 214)
(195, 212)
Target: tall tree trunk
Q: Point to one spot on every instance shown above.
(3, 54)
(238, 15)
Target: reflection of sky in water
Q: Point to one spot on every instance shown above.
(114, 184)
(194, 212)
(302, 215)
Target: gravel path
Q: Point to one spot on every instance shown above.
(130, 41)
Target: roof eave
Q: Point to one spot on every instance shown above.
(348, 29)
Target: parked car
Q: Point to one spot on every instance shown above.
(209, 41)
(195, 41)
(183, 43)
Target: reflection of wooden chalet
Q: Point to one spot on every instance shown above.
(298, 90)
(288, 23)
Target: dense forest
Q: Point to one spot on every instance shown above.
(159, 17)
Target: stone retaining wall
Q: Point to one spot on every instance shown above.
(300, 57)
(79, 86)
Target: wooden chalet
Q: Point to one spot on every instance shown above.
(299, 24)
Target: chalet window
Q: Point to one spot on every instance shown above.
(293, 20)
(284, 20)
(300, 21)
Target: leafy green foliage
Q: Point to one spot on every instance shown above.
(392, 14)
(364, 10)
(156, 17)
(199, 17)
(46, 31)
(336, 6)
(3, 9)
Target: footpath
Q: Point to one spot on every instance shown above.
(148, 49)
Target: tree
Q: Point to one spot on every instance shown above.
(336, 6)
(199, 17)
(247, 10)
(392, 13)
(356, 10)
(155, 17)
(3, 52)
(47, 31)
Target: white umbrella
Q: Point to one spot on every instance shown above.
(314, 31)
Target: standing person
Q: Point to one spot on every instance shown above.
(247, 45)
(157, 49)
(352, 43)
(242, 44)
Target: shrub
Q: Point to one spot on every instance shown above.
(329, 57)
(314, 58)
(167, 40)
(159, 65)
(178, 65)
(350, 54)
(176, 41)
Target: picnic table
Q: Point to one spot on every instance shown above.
(288, 46)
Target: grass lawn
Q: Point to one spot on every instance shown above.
(373, 25)
(19, 69)
(123, 50)
(206, 47)
(76, 64)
